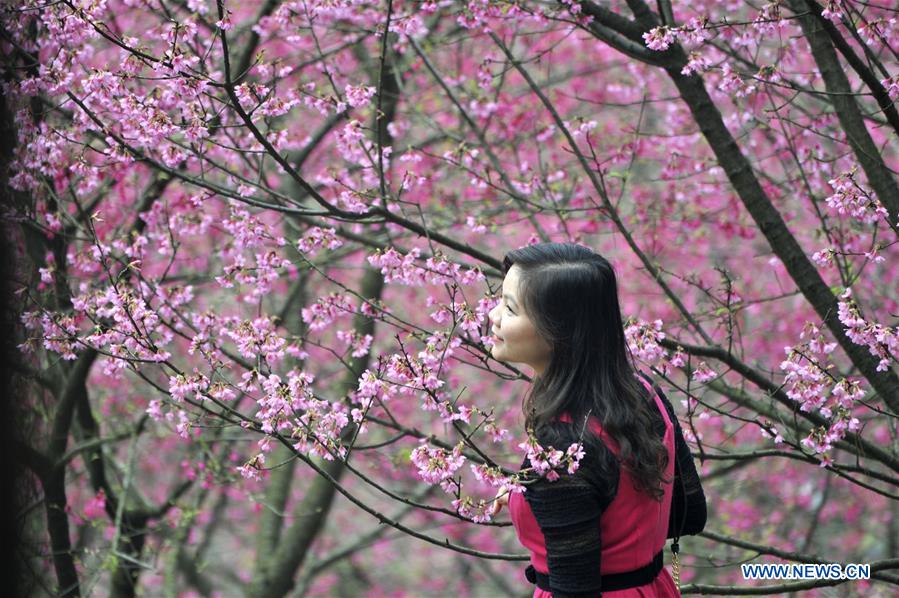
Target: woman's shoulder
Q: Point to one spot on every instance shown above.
(565, 428)
(600, 447)
(647, 382)
(656, 391)
(598, 469)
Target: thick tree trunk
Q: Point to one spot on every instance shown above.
(837, 83)
(280, 481)
(58, 527)
(783, 243)
(285, 552)
(276, 578)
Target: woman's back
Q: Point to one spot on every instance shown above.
(634, 526)
(631, 530)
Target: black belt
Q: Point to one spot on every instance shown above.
(611, 582)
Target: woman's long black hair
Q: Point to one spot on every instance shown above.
(571, 295)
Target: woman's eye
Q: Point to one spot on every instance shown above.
(510, 309)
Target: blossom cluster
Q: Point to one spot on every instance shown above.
(359, 344)
(409, 374)
(849, 197)
(436, 270)
(546, 461)
(808, 382)
(326, 310)
(477, 14)
(258, 276)
(313, 425)
(175, 218)
(356, 148)
(691, 34)
(644, 338)
(461, 314)
(734, 84)
(880, 30)
(644, 341)
(477, 510)
(703, 373)
(769, 19)
(256, 337)
(660, 38)
(437, 465)
(416, 373)
(371, 389)
(891, 84)
(882, 341)
(317, 238)
(696, 64)
(359, 95)
(95, 507)
(126, 326)
(248, 230)
(831, 11)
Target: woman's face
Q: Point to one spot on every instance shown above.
(514, 336)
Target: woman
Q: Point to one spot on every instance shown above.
(603, 528)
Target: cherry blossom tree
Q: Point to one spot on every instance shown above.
(257, 243)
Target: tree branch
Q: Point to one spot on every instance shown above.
(859, 66)
(276, 579)
(835, 80)
(776, 392)
(783, 243)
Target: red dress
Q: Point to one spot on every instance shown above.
(633, 527)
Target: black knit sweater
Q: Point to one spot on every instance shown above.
(568, 511)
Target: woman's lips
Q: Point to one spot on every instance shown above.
(496, 339)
